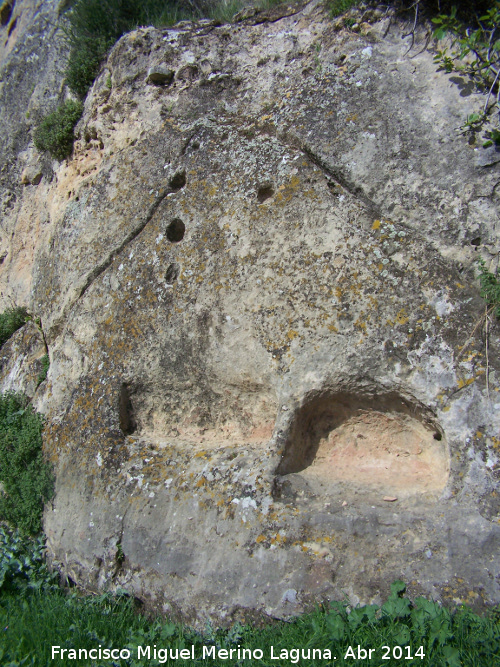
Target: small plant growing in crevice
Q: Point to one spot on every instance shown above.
(120, 556)
(11, 320)
(42, 375)
(55, 133)
(490, 287)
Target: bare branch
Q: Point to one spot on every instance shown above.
(490, 91)
(411, 33)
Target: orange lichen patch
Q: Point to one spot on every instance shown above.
(402, 317)
(359, 324)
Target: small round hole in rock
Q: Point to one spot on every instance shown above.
(175, 230)
(178, 181)
(264, 192)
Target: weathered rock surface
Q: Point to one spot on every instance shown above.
(33, 56)
(256, 282)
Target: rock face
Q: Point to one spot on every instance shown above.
(33, 56)
(269, 380)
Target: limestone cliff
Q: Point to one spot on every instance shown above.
(269, 378)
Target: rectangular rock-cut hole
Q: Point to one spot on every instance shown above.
(128, 423)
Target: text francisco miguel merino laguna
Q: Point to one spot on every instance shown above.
(293, 655)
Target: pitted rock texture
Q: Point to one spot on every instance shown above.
(268, 360)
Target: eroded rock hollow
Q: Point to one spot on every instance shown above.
(256, 280)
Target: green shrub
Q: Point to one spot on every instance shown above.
(26, 477)
(83, 66)
(11, 320)
(466, 10)
(55, 133)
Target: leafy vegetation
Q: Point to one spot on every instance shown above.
(23, 569)
(26, 477)
(11, 320)
(490, 287)
(55, 133)
(474, 52)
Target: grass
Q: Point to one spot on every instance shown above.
(35, 621)
(26, 478)
(338, 7)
